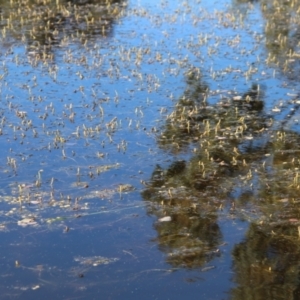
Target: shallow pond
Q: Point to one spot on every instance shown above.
(149, 150)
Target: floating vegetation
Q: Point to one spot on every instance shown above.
(27, 221)
(95, 260)
(165, 219)
(25, 288)
(194, 120)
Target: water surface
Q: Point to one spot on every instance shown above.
(149, 149)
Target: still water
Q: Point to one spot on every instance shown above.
(149, 150)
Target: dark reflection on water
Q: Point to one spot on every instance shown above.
(243, 161)
(281, 33)
(189, 241)
(192, 192)
(47, 24)
(266, 263)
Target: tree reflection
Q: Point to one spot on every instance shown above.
(192, 192)
(281, 33)
(242, 162)
(48, 23)
(189, 240)
(266, 263)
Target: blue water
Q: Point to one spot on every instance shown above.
(40, 261)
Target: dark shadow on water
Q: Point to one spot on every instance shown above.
(266, 263)
(244, 163)
(48, 25)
